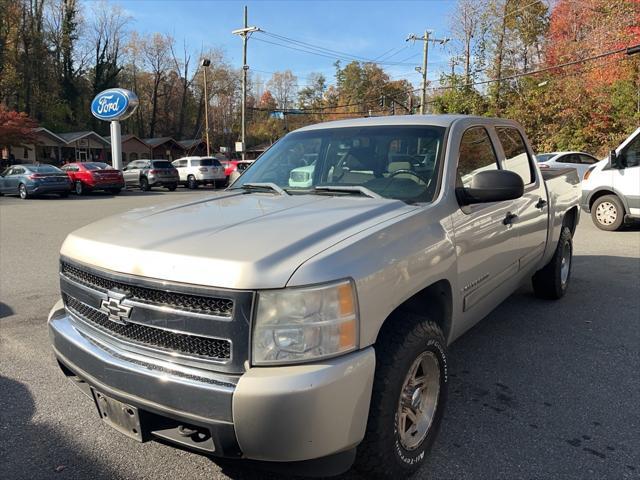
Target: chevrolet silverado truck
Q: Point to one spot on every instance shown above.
(317, 338)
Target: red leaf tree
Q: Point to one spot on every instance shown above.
(16, 128)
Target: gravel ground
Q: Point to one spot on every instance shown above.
(538, 389)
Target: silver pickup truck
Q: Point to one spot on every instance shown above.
(308, 326)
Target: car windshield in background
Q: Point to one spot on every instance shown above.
(45, 169)
(96, 166)
(544, 157)
(161, 164)
(394, 162)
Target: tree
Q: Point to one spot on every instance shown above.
(312, 95)
(156, 53)
(283, 87)
(15, 127)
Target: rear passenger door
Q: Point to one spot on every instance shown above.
(486, 247)
(532, 222)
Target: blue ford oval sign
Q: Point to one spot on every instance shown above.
(114, 104)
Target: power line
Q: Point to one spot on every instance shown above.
(628, 49)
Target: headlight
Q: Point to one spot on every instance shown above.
(304, 324)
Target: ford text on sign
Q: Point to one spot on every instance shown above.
(114, 104)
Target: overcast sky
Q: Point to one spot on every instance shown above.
(367, 29)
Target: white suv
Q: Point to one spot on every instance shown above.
(196, 171)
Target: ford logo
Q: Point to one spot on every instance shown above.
(114, 104)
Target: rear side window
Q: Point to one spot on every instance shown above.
(476, 155)
(515, 151)
(587, 160)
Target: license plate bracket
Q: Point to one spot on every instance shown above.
(122, 417)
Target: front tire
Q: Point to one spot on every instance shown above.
(552, 281)
(23, 193)
(607, 213)
(408, 399)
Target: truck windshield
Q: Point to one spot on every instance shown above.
(399, 162)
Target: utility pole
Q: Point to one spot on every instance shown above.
(205, 62)
(426, 38)
(245, 33)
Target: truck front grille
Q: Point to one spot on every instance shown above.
(221, 307)
(211, 348)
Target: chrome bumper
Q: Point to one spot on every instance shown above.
(275, 414)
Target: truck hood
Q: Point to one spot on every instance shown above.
(233, 240)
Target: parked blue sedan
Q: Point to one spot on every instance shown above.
(29, 179)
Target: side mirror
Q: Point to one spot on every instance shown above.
(492, 186)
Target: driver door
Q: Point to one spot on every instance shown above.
(486, 243)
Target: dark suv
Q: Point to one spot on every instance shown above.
(151, 173)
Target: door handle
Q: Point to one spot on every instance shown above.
(508, 220)
(541, 203)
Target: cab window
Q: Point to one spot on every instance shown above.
(476, 155)
(630, 156)
(515, 151)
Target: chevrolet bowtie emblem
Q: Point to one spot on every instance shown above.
(113, 307)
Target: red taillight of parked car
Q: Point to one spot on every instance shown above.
(153, 172)
(36, 176)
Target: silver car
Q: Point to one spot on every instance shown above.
(151, 173)
(579, 160)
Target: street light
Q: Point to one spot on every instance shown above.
(205, 63)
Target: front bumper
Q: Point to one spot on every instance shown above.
(584, 201)
(275, 414)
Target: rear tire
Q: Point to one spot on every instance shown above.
(144, 184)
(395, 446)
(191, 182)
(607, 213)
(552, 281)
(23, 193)
(172, 187)
(79, 188)
(115, 191)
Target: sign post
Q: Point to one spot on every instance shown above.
(114, 105)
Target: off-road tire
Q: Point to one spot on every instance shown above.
(405, 338)
(144, 184)
(617, 210)
(548, 282)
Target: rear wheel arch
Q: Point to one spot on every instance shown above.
(570, 220)
(434, 301)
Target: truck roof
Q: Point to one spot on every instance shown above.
(437, 120)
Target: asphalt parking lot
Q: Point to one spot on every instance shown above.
(538, 389)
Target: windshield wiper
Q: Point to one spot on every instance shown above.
(352, 189)
(262, 186)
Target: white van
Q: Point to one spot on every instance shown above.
(611, 188)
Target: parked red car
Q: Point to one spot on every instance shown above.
(231, 166)
(88, 176)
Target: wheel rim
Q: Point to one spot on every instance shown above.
(565, 265)
(78, 188)
(23, 191)
(418, 401)
(606, 213)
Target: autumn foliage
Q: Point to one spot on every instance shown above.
(16, 128)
